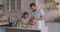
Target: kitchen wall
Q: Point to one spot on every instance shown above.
(0, 2)
(58, 6)
(26, 4)
(52, 14)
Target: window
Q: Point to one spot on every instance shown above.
(12, 5)
(7, 4)
(18, 4)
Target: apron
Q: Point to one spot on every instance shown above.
(39, 24)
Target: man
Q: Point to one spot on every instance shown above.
(37, 14)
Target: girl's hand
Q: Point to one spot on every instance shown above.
(26, 26)
(20, 21)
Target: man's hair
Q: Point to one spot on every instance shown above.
(32, 4)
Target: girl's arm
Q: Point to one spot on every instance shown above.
(19, 22)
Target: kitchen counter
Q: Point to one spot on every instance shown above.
(15, 29)
(22, 28)
(4, 23)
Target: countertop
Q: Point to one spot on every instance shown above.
(4, 23)
(22, 28)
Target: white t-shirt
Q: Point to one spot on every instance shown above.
(25, 20)
(38, 13)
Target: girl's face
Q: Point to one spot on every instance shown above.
(26, 16)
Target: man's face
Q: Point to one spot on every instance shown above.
(33, 8)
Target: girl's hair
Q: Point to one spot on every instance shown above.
(24, 14)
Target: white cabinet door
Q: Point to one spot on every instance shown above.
(53, 27)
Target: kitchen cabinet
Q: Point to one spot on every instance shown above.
(53, 27)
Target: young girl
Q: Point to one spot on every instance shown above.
(24, 20)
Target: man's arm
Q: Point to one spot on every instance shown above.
(42, 17)
(32, 18)
(42, 14)
(32, 15)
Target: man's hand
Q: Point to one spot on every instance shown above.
(42, 18)
(32, 21)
